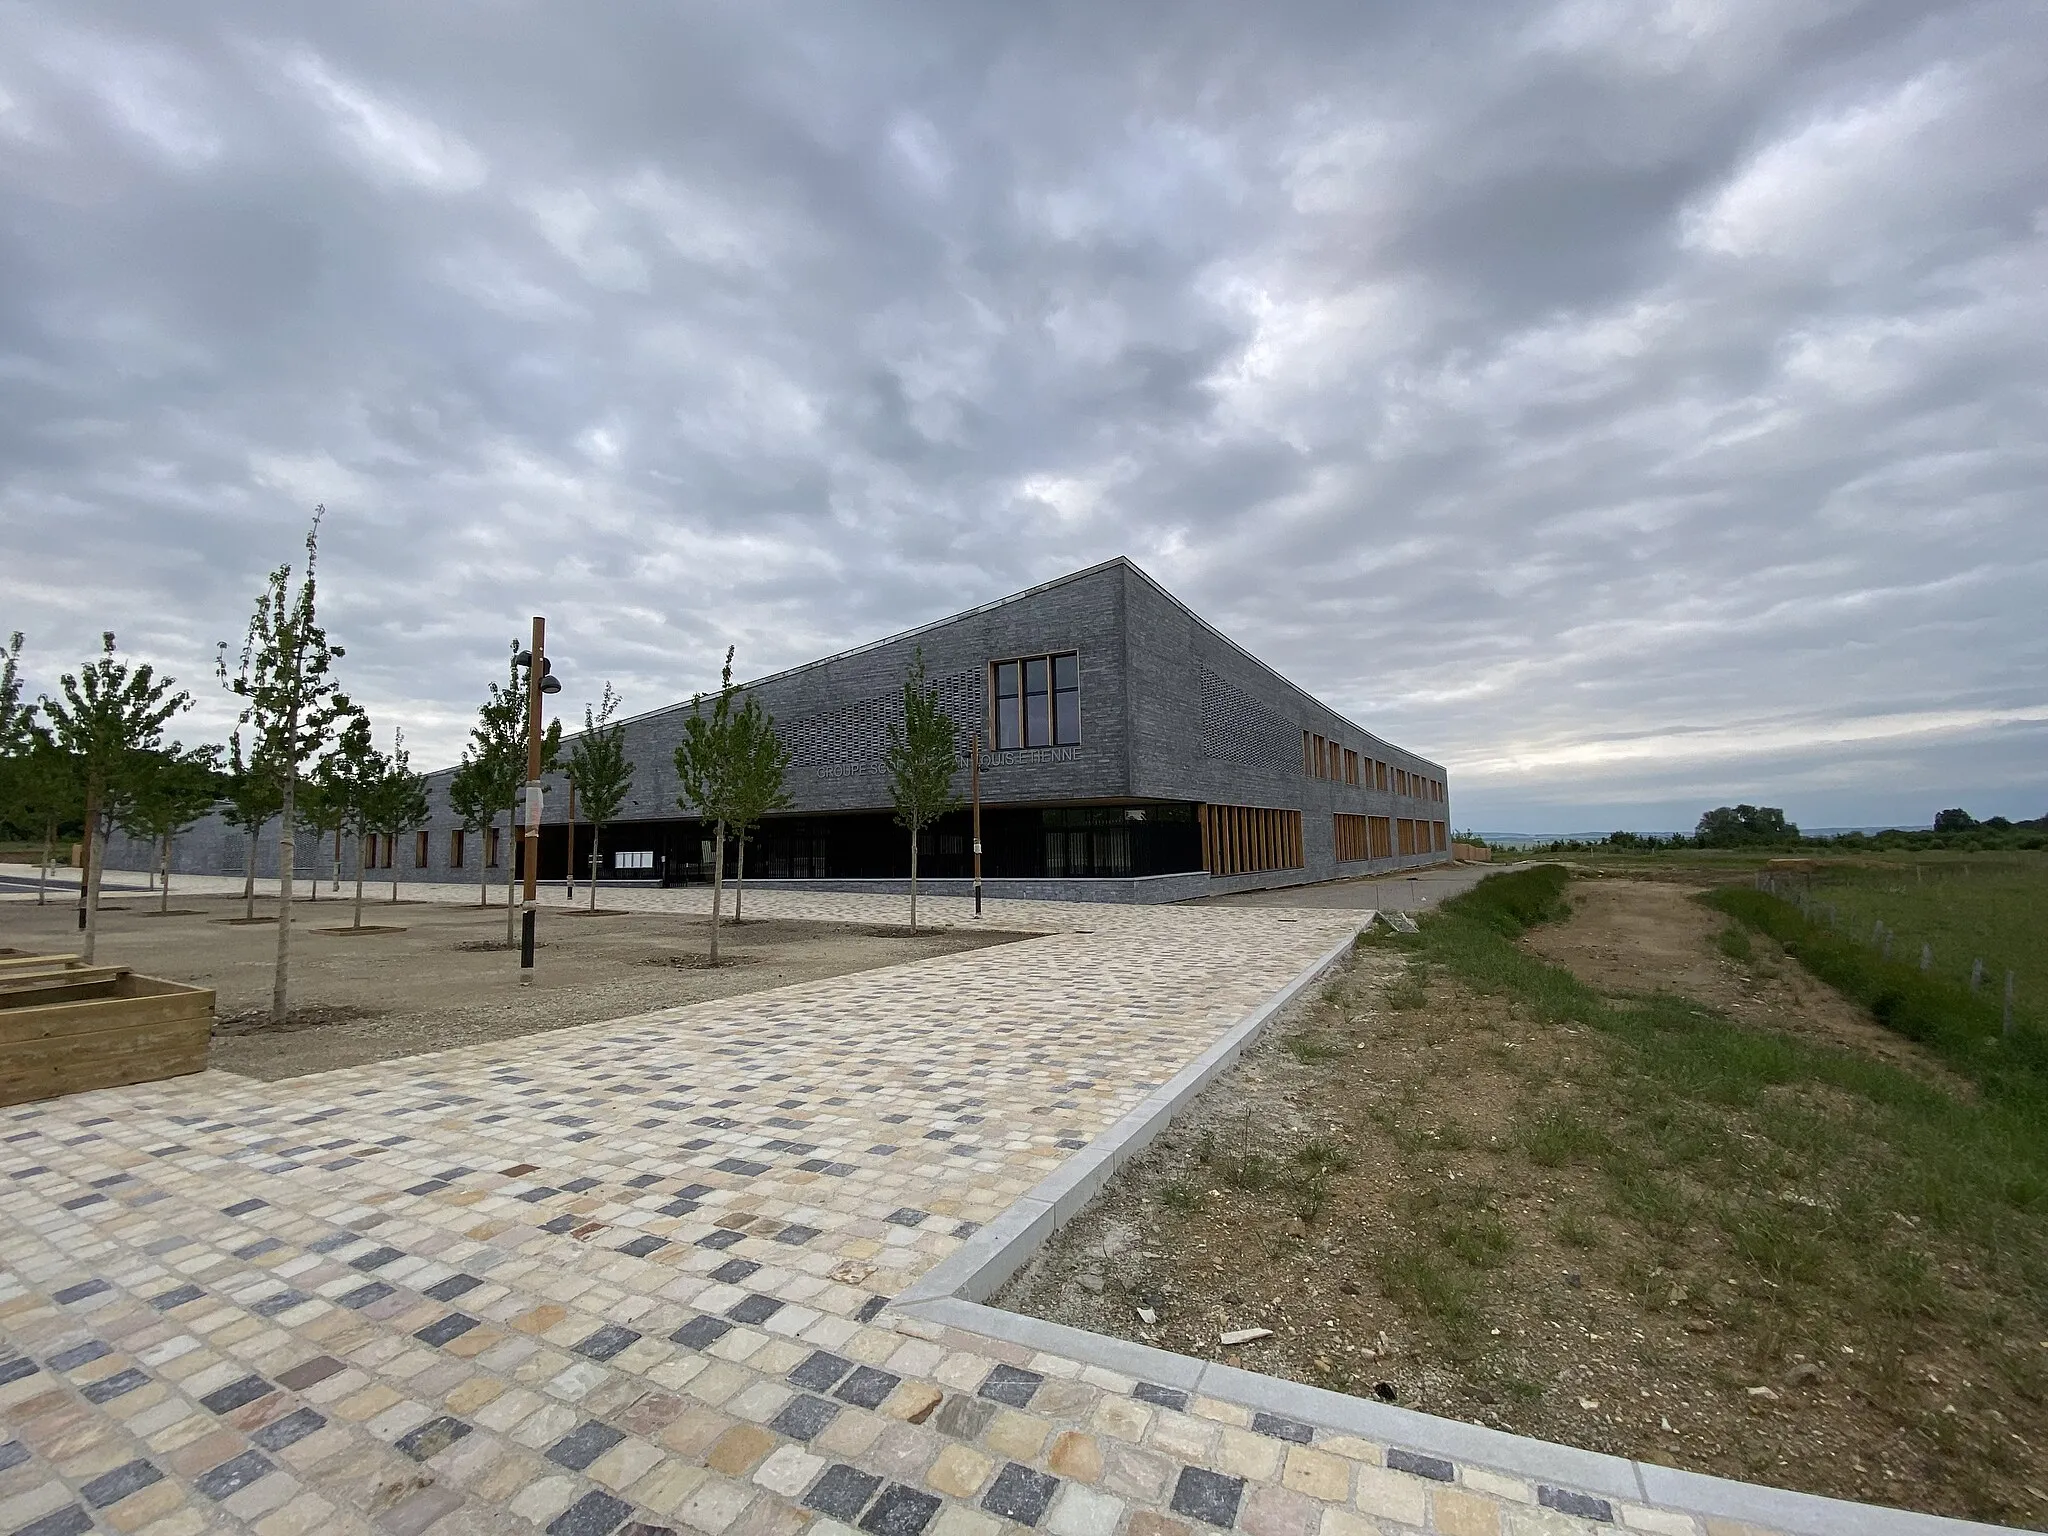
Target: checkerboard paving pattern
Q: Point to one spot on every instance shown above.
(634, 1277)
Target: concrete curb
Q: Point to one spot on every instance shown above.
(951, 1295)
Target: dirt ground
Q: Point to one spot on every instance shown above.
(1365, 1184)
(443, 978)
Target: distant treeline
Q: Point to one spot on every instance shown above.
(1765, 827)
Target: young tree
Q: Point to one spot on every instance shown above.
(601, 774)
(253, 796)
(43, 794)
(168, 791)
(704, 769)
(475, 798)
(760, 769)
(923, 756)
(291, 702)
(499, 742)
(323, 807)
(109, 714)
(400, 803)
(38, 784)
(355, 773)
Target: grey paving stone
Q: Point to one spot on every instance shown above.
(1584, 1505)
(595, 1514)
(1020, 1494)
(112, 1487)
(900, 1511)
(232, 1476)
(1418, 1465)
(1011, 1385)
(820, 1372)
(583, 1445)
(610, 1340)
(803, 1416)
(1210, 1497)
(841, 1492)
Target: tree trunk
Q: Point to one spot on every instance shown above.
(511, 880)
(358, 921)
(394, 867)
(596, 831)
(163, 904)
(287, 852)
(739, 884)
(89, 880)
(249, 881)
(913, 882)
(569, 879)
(49, 853)
(483, 868)
(717, 885)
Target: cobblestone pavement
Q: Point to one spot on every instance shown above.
(634, 1276)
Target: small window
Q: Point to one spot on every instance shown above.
(1350, 766)
(1037, 702)
(456, 839)
(420, 849)
(1379, 776)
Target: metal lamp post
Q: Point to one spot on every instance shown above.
(540, 680)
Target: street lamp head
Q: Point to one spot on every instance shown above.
(550, 685)
(523, 659)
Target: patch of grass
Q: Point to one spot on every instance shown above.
(1322, 1154)
(1964, 1028)
(1733, 941)
(1308, 1049)
(1181, 1195)
(1480, 1238)
(1555, 1134)
(1574, 1231)
(1445, 1295)
(1408, 993)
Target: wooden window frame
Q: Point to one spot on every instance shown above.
(1245, 840)
(493, 848)
(458, 841)
(422, 849)
(1053, 694)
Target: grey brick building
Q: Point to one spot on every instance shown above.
(1129, 752)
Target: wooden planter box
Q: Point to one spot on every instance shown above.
(66, 1027)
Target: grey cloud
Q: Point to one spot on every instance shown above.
(1535, 382)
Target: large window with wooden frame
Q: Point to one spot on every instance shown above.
(456, 847)
(1404, 832)
(1379, 776)
(1442, 834)
(1381, 830)
(421, 848)
(490, 847)
(1037, 701)
(1350, 766)
(1243, 839)
(1353, 838)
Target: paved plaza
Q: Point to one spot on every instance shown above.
(636, 1276)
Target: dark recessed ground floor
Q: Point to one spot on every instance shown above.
(1018, 842)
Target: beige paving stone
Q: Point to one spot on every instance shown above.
(715, 1504)
(1075, 1455)
(1317, 1474)
(1016, 1436)
(1391, 1495)
(960, 1471)
(1121, 1417)
(543, 1499)
(1338, 1521)
(1082, 1511)
(1244, 1454)
(739, 1450)
(1463, 1514)
(1524, 1520)
(1497, 1485)
(1146, 1523)
(624, 1463)
(665, 1486)
(789, 1470)
(1663, 1522)
(138, 1509)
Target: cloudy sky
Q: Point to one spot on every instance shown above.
(1636, 406)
